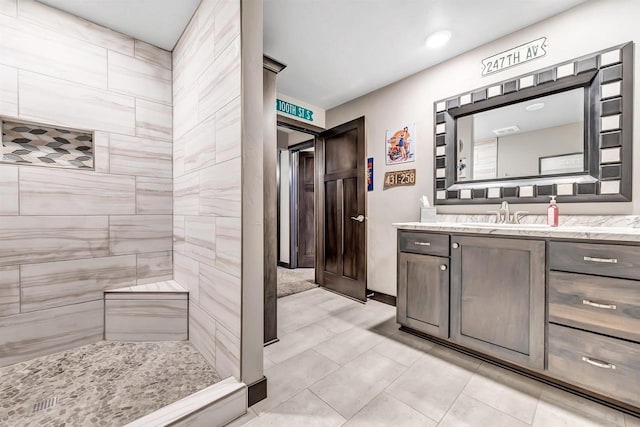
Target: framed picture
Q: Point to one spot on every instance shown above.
(400, 146)
(565, 163)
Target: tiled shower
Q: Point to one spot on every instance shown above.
(119, 169)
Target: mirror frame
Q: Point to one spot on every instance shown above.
(607, 77)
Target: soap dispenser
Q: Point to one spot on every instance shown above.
(553, 212)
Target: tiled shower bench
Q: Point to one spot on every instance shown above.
(152, 312)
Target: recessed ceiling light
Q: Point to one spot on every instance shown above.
(438, 39)
(507, 130)
(535, 107)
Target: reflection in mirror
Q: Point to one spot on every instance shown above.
(542, 136)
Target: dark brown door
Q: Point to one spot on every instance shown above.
(306, 223)
(340, 197)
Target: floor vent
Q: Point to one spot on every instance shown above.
(45, 404)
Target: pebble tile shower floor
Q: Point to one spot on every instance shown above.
(103, 384)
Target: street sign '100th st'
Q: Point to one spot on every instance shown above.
(512, 57)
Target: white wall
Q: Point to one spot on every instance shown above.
(284, 206)
(593, 26)
(518, 154)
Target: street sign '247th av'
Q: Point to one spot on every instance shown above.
(512, 57)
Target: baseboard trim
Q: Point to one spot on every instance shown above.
(273, 341)
(257, 391)
(380, 297)
(283, 264)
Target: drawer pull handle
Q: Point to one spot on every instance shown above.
(598, 363)
(601, 260)
(595, 304)
(422, 243)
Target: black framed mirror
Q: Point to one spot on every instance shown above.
(565, 130)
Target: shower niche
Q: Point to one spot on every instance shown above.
(27, 143)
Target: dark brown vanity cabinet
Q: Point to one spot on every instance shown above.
(566, 310)
(423, 283)
(498, 297)
(594, 317)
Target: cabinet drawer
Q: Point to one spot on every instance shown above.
(589, 258)
(601, 304)
(604, 365)
(424, 243)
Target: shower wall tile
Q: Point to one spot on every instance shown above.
(54, 101)
(227, 353)
(64, 23)
(227, 23)
(178, 233)
(9, 200)
(220, 193)
(101, 151)
(152, 54)
(228, 132)
(185, 111)
(200, 146)
(178, 158)
(34, 239)
(140, 234)
(130, 155)
(55, 284)
(139, 78)
(28, 335)
(220, 82)
(146, 320)
(229, 245)
(8, 91)
(153, 119)
(9, 290)
(202, 333)
(200, 239)
(186, 272)
(154, 195)
(220, 296)
(154, 267)
(34, 48)
(186, 194)
(45, 191)
(9, 7)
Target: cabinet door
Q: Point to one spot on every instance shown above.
(498, 297)
(423, 293)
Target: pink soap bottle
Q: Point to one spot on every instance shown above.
(553, 212)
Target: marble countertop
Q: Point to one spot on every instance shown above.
(587, 229)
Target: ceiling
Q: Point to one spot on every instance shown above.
(338, 50)
(559, 109)
(159, 22)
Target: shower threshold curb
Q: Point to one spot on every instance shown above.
(216, 405)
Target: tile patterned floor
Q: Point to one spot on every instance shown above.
(101, 384)
(342, 363)
(292, 281)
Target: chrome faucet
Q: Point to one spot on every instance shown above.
(503, 215)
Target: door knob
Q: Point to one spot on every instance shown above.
(456, 245)
(358, 218)
(443, 267)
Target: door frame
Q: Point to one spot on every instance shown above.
(313, 132)
(294, 178)
(319, 209)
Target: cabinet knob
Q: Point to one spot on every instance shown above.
(443, 267)
(456, 245)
